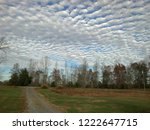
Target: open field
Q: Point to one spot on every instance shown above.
(98, 100)
(12, 99)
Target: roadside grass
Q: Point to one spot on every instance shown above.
(123, 103)
(11, 100)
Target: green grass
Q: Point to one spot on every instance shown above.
(11, 100)
(123, 104)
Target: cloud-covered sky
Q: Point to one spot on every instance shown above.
(108, 30)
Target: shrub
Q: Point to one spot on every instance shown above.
(53, 84)
(44, 86)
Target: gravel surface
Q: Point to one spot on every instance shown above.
(37, 103)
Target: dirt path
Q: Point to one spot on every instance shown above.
(37, 103)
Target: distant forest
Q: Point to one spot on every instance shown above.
(136, 75)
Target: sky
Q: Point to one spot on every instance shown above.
(109, 31)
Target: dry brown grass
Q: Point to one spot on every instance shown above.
(99, 100)
(103, 92)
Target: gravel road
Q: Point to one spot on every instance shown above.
(37, 103)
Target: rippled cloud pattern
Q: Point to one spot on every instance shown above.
(108, 30)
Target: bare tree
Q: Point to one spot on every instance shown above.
(33, 72)
(31, 68)
(45, 69)
(107, 76)
(95, 74)
(82, 75)
(66, 72)
(119, 73)
(56, 75)
(3, 47)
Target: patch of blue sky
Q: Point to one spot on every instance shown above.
(72, 63)
(140, 53)
(140, 37)
(100, 15)
(135, 20)
(146, 2)
(63, 8)
(2, 15)
(6, 76)
(11, 4)
(56, 57)
(5, 69)
(121, 18)
(106, 14)
(134, 6)
(93, 1)
(50, 3)
(66, 7)
(39, 3)
(70, 8)
(102, 21)
(96, 8)
(108, 26)
(86, 49)
(120, 1)
(122, 22)
(101, 49)
(134, 13)
(105, 50)
(118, 28)
(125, 21)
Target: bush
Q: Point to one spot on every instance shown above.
(44, 86)
(69, 84)
(76, 85)
(53, 84)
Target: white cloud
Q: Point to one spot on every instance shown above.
(70, 29)
(1, 1)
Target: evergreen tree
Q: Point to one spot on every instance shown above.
(19, 76)
(14, 79)
(15, 75)
(24, 78)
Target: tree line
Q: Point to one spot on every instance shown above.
(135, 75)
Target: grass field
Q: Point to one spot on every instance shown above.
(98, 100)
(11, 99)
